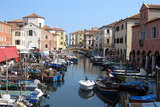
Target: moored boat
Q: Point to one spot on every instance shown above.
(107, 86)
(146, 98)
(86, 84)
(73, 59)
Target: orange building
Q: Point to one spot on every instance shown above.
(5, 34)
(49, 41)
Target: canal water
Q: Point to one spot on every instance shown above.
(68, 94)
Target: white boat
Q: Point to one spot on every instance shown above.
(86, 84)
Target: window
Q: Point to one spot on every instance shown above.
(125, 25)
(117, 28)
(132, 36)
(30, 32)
(61, 43)
(143, 37)
(46, 36)
(39, 24)
(61, 38)
(108, 41)
(147, 33)
(7, 39)
(137, 35)
(125, 39)
(2, 28)
(107, 31)
(46, 46)
(61, 33)
(17, 33)
(17, 42)
(145, 17)
(121, 40)
(122, 26)
(141, 16)
(117, 40)
(154, 32)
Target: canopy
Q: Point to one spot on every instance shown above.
(8, 52)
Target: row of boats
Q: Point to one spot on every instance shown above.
(122, 77)
(19, 87)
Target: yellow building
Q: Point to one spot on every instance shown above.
(76, 38)
(62, 38)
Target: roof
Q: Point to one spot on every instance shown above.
(152, 6)
(47, 27)
(91, 32)
(16, 21)
(78, 32)
(5, 23)
(136, 16)
(154, 19)
(109, 25)
(34, 15)
(57, 29)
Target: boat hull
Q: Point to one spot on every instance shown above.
(86, 85)
(110, 89)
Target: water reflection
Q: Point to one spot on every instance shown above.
(64, 93)
(109, 99)
(86, 94)
(53, 86)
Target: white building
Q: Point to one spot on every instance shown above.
(105, 39)
(123, 36)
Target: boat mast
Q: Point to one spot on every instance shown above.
(7, 74)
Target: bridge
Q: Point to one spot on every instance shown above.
(78, 49)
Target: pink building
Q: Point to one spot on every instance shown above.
(146, 37)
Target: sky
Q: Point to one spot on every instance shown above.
(72, 15)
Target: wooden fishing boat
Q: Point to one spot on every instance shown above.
(97, 60)
(150, 104)
(140, 86)
(73, 59)
(122, 74)
(146, 98)
(107, 86)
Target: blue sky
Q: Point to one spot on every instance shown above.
(72, 15)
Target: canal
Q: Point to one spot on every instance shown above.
(68, 94)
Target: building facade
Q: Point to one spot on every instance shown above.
(123, 36)
(76, 38)
(146, 37)
(89, 38)
(105, 39)
(5, 34)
